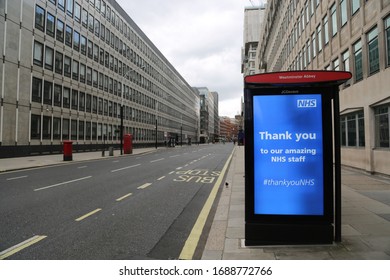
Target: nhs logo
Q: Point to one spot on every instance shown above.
(306, 103)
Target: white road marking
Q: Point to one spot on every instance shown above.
(16, 178)
(63, 183)
(124, 168)
(23, 245)
(144, 186)
(160, 159)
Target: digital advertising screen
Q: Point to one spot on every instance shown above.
(288, 155)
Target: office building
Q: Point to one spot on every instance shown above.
(350, 35)
(209, 119)
(253, 18)
(70, 67)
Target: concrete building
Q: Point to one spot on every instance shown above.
(228, 128)
(351, 35)
(70, 66)
(209, 119)
(253, 18)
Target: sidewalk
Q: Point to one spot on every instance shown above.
(365, 222)
(17, 163)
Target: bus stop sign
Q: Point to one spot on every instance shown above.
(289, 151)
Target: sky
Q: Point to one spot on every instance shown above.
(202, 39)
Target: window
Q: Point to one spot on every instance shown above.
(319, 37)
(355, 5)
(326, 30)
(76, 40)
(84, 18)
(88, 130)
(103, 8)
(357, 50)
(68, 36)
(75, 99)
(333, 16)
(100, 106)
(352, 130)
(82, 101)
(89, 76)
(83, 42)
(73, 129)
(101, 56)
(336, 64)
(88, 103)
(94, 104)
(67, 66)
(90, 49)
(60, 31)
(101, 80)
(82, 73)
(39, 18)
(57, 95)
(61, 5)
(50, 25)
(81, 130)
(69, 7)
(36, 92)
(35, 126)
(75, 70)
(382, 126)
(56, 128)
(59, 62)
(90, 23)
(46, 127)
(345, 57)
(77, 12)
(96, 52)
(65, 129)
(373, 51)
(343, 12)
(95, 78)
(66, 98)
(387, 35)
(313, 42)
(38, 53)
(102, 32)
(97, 28)
(48, 93)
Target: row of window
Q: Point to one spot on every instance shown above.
(45, 92)
(52, 128)
(73, 37)
(309, 52)
(47, 57)
(56, 28)
(56, 95)
(353, 133)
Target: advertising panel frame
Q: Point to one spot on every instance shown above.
(292, 228)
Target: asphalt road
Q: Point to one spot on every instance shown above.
(130, 207)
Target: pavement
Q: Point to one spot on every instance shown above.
(365, 214)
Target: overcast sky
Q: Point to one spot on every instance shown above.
(201, 38)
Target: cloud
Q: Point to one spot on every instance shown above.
(202, 39)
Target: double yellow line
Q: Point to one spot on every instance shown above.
(27, 243)
(191, 243)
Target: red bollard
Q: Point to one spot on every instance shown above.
(68, 151)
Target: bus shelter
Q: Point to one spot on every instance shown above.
(292, 157)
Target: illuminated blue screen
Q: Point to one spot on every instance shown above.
(288, 155)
